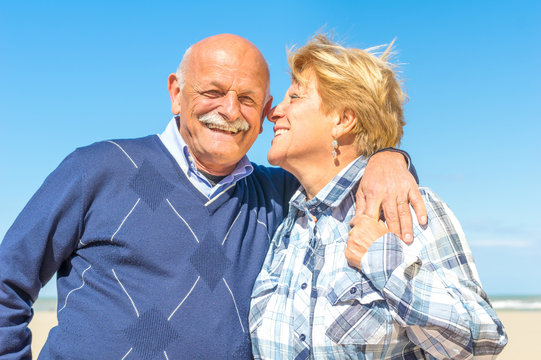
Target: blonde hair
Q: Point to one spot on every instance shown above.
(354, 80)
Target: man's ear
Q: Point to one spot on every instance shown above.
(266, 110)
(174, 93)
(346, 123)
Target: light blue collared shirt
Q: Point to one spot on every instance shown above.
(176, 145)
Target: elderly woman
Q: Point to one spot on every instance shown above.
(418, 301)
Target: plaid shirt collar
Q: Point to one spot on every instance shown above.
(332, 195)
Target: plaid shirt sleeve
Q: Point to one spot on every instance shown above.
(432, 287)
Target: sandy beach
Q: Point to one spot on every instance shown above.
(523, 331)
(40, 325)
(522, 328)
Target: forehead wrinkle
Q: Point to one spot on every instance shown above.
(234, 62)
(238, 81)
(221, 85)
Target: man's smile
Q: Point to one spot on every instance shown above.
(222, 129)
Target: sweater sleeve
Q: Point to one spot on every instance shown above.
(432, 288)
(44, 235)
(407, 158)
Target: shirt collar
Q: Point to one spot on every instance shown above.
(178, 148)
(334, 192)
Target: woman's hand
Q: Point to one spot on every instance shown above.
(364, 232)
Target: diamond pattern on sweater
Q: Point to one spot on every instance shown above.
(210, 260)
(150, 334)
(150, 185)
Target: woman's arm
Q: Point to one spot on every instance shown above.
(431, 287)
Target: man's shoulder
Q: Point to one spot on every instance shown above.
(105, 147)
(116, 154)
(269, 170)
(108, 150)
(274, 181)
(274, 174)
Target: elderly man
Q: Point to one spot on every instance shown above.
(156, 241)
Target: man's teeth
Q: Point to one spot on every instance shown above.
(223, 128)
(280, 132)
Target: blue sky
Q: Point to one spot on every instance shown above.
(72, 73)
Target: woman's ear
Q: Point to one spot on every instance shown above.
(346, 123)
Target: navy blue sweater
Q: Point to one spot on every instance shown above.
(148, 267)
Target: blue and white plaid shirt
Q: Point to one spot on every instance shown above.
(421, 301)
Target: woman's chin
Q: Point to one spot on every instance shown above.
(273, 161)
(274, 158)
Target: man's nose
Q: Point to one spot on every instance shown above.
(230, 108)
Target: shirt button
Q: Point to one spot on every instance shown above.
(304, 285)
(353, 290)
(302, 337)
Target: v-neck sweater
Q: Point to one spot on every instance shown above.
(147, 266)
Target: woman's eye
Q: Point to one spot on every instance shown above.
(293, 96)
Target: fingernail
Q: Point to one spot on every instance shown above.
(423, 219)
(408, 237)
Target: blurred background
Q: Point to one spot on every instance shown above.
(72, 73)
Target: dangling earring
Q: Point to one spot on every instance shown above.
(334, 147)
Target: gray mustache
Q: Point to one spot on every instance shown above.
(213, 118)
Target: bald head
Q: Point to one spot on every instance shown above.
(226, 45)
(224, 78)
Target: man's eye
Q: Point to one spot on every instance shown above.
(212, 93)
(246, 100)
